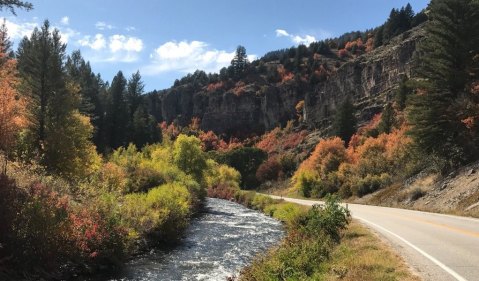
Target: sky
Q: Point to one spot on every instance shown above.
(165, 40)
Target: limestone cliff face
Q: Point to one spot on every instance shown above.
(368, 81)
(254, 110)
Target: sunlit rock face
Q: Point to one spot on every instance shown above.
(368, 80)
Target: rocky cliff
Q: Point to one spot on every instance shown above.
(368, 80)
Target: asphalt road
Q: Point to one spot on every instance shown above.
(438, 247)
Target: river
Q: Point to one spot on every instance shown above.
(216, 245)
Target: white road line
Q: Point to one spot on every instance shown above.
(431, 258)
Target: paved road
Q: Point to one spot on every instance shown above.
(439, 247)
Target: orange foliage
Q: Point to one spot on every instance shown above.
(469, 122)
(277, 140)
(326, 157)
(239, 88)
(371, 125)
(389, 147)
(370, 44)
(195, 123)
(12, 106)
(215, 86)
(285, 74)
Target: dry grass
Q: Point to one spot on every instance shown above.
(363, 256)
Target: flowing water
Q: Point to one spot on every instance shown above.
(216, 245)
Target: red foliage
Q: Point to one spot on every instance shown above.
(221, 191)
(169, 130)
(195, 124)
(469, 122)
(343, 53)
(210, 141)
(270, 170)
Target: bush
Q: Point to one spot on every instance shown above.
(329, 219)
(371, 183)
(416, 194)
(306, 182)
(311, 237)
(270, 170)
(246, 161)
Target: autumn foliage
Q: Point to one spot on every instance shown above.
(12, 105)
(369, 163)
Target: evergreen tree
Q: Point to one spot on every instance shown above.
(239, 62)
(145, 128)
(5, 43)
(11, 5)
(80, 72)
(135, 90)
(447, 67)
(388, 120)
(59, 134)
(402, 94)
(344, 125)
(117, 113)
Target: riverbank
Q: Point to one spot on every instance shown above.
(217, 244)
(57, 228)
(322, 244)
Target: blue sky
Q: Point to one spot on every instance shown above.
(167, 39)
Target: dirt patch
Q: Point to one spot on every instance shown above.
(458, 193)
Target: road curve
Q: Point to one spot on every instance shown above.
(439, 247)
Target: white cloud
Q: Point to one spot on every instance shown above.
(124, 43)
(305, 39)
(96, 43)
(18, 30)
(101, 25)
(281, 32)
(187, 57)
(116, 48)
(67, 34)
(65, 20)
(130, 28)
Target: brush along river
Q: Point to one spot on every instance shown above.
(216, 245)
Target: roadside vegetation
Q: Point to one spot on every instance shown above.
(322, 243)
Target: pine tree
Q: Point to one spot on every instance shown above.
(117, 112)
(135, 90)
(402, 94)
(79, 71)
(145, 128)
(388, 120)
(344, 125)
(11, 5)
(446, 66)
(59, 134)
(239, 62)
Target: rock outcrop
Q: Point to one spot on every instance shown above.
(368, 80)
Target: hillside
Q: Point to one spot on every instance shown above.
(256, 103)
